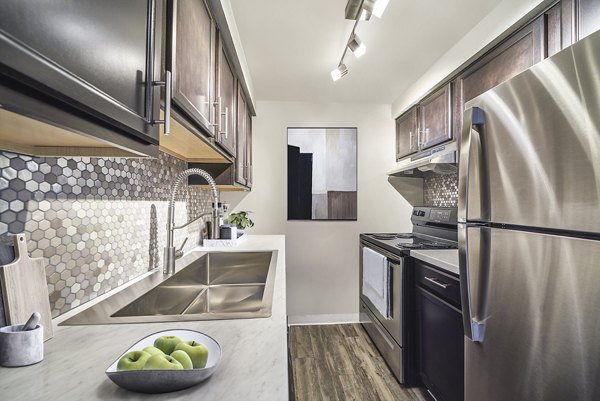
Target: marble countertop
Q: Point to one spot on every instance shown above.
(446, 259)
(253, 367)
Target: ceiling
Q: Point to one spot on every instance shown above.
(291, 46)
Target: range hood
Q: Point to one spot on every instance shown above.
(441, 159)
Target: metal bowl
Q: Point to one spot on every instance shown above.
(165, 381)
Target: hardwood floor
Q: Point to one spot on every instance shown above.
(339, 362)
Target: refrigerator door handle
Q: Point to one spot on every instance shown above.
(471, 173)
(474, 257)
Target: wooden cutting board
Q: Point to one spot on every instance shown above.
(24, 288)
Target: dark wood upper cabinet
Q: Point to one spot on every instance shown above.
(553, 27)
(190, 57)
(435, 118)
(242, 121)
(516, 54)
(588, 17)
(97, 57)
(406, 134)
(225, 104)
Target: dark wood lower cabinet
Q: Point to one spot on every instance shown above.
(441, 358)
(440, 333)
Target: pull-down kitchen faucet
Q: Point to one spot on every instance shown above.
(170, 252)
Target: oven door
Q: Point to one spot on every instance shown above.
(396, 263)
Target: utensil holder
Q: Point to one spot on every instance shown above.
(21, 348)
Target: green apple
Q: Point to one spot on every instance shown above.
(197, 351)
(167, 343)
(153, 350)
(183, 358)
(133, 360)
(162, 362)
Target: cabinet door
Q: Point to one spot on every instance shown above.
(97, 56)
(249, 170)
(406, 134)
(516, 54)
(588, 17)
(242, 121)
(560, 23)
(192, 62)
(441, 347)
(435, 118)
(226, 96)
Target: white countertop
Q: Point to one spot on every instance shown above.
(446, 259)
(253, 367)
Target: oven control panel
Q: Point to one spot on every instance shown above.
(434, 215)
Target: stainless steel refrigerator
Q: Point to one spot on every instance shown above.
(529, 233)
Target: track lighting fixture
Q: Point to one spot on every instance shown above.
(358, 10)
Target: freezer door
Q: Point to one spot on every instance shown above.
(535, 160)
(541, 315)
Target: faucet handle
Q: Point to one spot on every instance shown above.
(179, 252)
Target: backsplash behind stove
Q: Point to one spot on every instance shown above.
(441, 190)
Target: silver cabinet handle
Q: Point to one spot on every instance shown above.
(226, 114)
(412, 137)
(168, 84)
(434, 281)
(217, 118)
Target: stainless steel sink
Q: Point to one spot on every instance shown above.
(215, 285)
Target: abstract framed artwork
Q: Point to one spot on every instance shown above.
(322, 173)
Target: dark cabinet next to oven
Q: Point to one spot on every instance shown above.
(406, 134)
(425, 125)
(440, 333)
(435, 118)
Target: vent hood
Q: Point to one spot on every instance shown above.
(441, 159)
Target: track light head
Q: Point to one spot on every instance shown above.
(375, 7)
(339, 72)
(357, 46)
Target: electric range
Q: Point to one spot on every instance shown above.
(392, 332)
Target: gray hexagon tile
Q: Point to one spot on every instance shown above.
(97, 221)
(440, 190)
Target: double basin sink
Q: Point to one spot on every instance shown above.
(207, 286)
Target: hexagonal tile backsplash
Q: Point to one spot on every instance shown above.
(99, 222)
(441, 190)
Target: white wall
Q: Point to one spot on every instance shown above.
(322, 257)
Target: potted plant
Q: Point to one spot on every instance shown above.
(241, 220)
